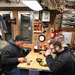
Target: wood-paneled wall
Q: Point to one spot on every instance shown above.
(53, 20)
(16, 26)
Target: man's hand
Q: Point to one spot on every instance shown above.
(48, 52)
(21, 59)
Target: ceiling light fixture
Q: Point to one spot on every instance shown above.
(33, 4)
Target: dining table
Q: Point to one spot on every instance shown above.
(34, 67)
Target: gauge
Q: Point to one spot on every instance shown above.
(42, 38)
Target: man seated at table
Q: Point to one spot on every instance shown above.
(12, 55)
(63, 64)
(61, 38)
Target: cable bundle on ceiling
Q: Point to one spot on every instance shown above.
(54, 4)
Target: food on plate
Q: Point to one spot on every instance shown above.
(43, 63)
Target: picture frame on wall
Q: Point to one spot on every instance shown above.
(46, 16)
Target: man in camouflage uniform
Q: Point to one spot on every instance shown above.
(3, 43)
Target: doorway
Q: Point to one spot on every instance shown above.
(25, 19)
(5, 16)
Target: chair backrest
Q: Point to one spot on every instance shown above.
(2, 71)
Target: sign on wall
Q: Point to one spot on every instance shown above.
(36, 15)
(68, 36)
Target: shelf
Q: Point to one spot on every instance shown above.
(68, 29)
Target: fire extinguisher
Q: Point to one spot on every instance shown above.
(57, 29)
(52, 33)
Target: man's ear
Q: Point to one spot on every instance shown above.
(57, 47)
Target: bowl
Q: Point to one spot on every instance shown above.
(38, 59)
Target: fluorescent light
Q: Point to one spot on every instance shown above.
(73, 12)
(33, 4)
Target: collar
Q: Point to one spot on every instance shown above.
(64, 51)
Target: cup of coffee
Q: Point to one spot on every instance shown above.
(28, 61)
